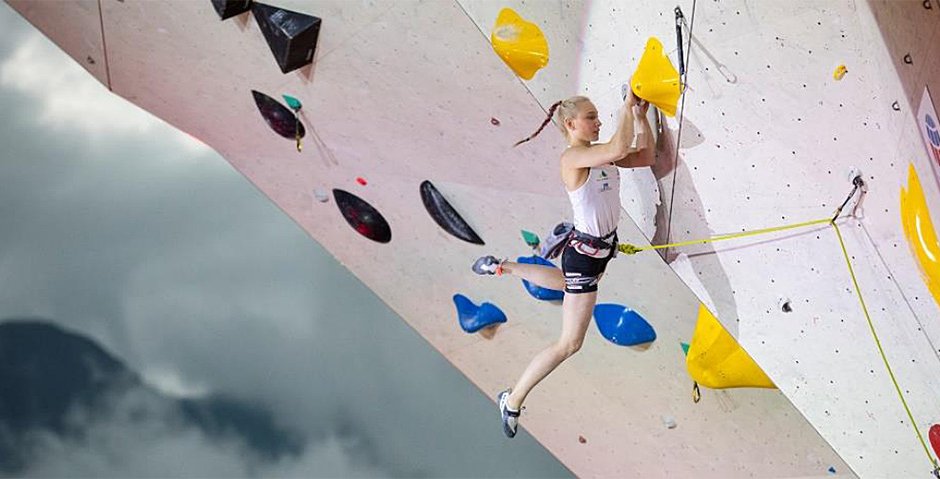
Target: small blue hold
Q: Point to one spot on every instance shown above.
(622, 326)
(473, 318)
(832, 470)
(536, 291)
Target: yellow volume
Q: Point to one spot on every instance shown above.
(921, 236)
(716, 360)
(519, 43)
(656, 80)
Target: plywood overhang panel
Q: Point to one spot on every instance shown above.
(418, 82)
(75, 26)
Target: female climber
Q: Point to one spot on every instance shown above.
(590, 176)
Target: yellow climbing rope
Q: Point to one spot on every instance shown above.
(881, 350)
(628, 248)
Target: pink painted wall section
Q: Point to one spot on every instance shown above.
(83, 42)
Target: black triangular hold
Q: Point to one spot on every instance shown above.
(229, 8)
(280, 118)
(362, 217)
(291, 36)
(445, 215)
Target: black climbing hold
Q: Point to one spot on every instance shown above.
(908, 59)
(280, 118)
(928, 6)
(445, 215)
(229, 8)
(363, 218)
(896, 106)
(786, 307)
(291, 36)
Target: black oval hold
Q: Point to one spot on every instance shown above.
(445, 215)
(280, 118)
(363, 218)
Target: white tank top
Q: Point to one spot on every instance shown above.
(596, 203)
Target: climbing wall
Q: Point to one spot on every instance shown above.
(404, 92)
(768, 138)
(774, 145)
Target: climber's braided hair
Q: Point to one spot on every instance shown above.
(561, 110)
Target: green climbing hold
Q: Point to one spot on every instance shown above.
(530, 238)
(292, 102)
(685, 348)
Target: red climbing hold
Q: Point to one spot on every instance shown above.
(494, 121)
(581, 439)
(934, 435)
(362, 181)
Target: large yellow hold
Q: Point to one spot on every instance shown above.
(716, 360)
(519, 43)
(918, 228)
(656, 80)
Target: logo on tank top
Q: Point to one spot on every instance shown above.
(606, 185)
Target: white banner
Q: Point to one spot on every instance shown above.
(930, 131)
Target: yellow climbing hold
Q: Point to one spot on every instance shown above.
(656, 80)
(519, 43)
(918, 228)
(716, 360)
(840, 72)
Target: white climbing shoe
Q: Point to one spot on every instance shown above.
(509, 417)
(486, 265)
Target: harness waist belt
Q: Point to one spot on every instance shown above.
(608, 241)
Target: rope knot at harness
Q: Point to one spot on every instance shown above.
(627, 248)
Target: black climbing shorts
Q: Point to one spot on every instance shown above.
(582, 272)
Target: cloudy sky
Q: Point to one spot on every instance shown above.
(119, 227)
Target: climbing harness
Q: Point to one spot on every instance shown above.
(565, 232)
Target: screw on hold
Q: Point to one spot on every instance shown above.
(908, 59)
(928, 6)
(581, 439)
(785, 306)
(90, 60)
(896, 106)
(494, 121)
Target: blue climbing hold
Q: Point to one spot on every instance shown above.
(537, 291)
(622, 326)
(473, 318)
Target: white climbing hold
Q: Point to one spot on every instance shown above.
(669, 422)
